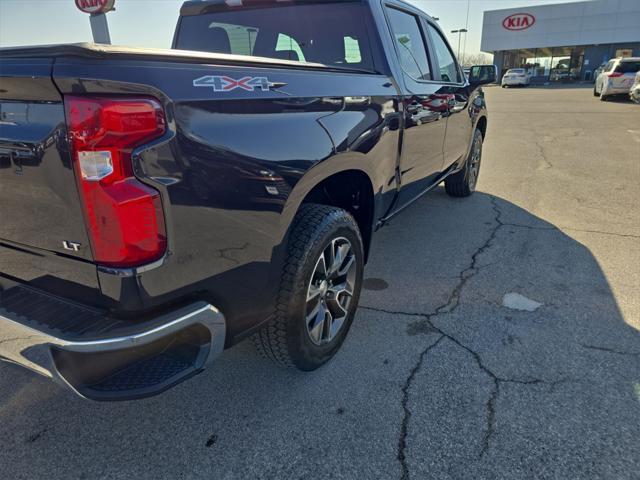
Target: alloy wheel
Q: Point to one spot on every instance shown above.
(330, 291)
(474, 163)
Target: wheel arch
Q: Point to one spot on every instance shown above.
(325, 185)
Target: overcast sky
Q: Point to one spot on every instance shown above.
(150, 23)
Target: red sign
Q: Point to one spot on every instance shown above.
(519, 21)
(95, 6)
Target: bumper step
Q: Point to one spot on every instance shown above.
(56, 316)
(152, 371)
(102, 358)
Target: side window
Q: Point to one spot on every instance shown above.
(410, 44)
(449, 71)
(609, 66)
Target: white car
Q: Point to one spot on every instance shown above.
(617, 77)
(635, 90)
(516, 76)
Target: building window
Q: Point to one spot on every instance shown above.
(562, 64)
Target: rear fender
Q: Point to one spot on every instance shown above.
(338, 163)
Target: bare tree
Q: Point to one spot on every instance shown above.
(470, 59)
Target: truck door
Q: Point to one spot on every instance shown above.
(456, 92)
(425, 108)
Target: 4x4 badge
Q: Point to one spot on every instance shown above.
(228, 84)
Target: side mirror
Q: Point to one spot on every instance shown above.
(483, 74)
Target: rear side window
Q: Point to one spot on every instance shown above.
(409, 41)
(628, 67)
(449, 71)
(318, 32)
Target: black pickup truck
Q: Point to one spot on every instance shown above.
(159, 206)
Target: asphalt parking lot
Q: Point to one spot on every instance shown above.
(498, 337)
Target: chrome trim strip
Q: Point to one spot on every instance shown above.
(134, 271)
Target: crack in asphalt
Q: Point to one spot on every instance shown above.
(559, 229)
(610, 350)
(404, 428)
(452, 303)
(600, 232)
(542, 154)
(34, 437)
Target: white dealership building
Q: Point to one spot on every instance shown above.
(563, 42)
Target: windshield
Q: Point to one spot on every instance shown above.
(317, 33)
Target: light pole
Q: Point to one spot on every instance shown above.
(466, 25)
(459, 32)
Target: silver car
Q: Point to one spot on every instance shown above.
(617, 77)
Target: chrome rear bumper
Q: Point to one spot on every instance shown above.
(130, 361)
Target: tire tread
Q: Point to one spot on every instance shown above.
(457, 185)
(311, 220)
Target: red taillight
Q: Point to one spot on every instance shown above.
(123, 215)
(614, 75)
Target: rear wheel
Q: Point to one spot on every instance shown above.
(463, 183)
(319, 291)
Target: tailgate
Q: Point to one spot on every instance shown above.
(39, 202)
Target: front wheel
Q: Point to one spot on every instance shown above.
(319, 290)
(463, 183)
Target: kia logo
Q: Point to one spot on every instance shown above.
(95, 6)
(519, 21)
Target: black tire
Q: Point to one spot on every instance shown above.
(604, 98)
(286, 339)
(595, 92)
(463, 183)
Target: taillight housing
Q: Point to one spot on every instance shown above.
(614, 74)
(124, 216)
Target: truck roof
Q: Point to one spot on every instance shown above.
(198, 7)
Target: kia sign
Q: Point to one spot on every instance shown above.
(95, 6)
(519, 21)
